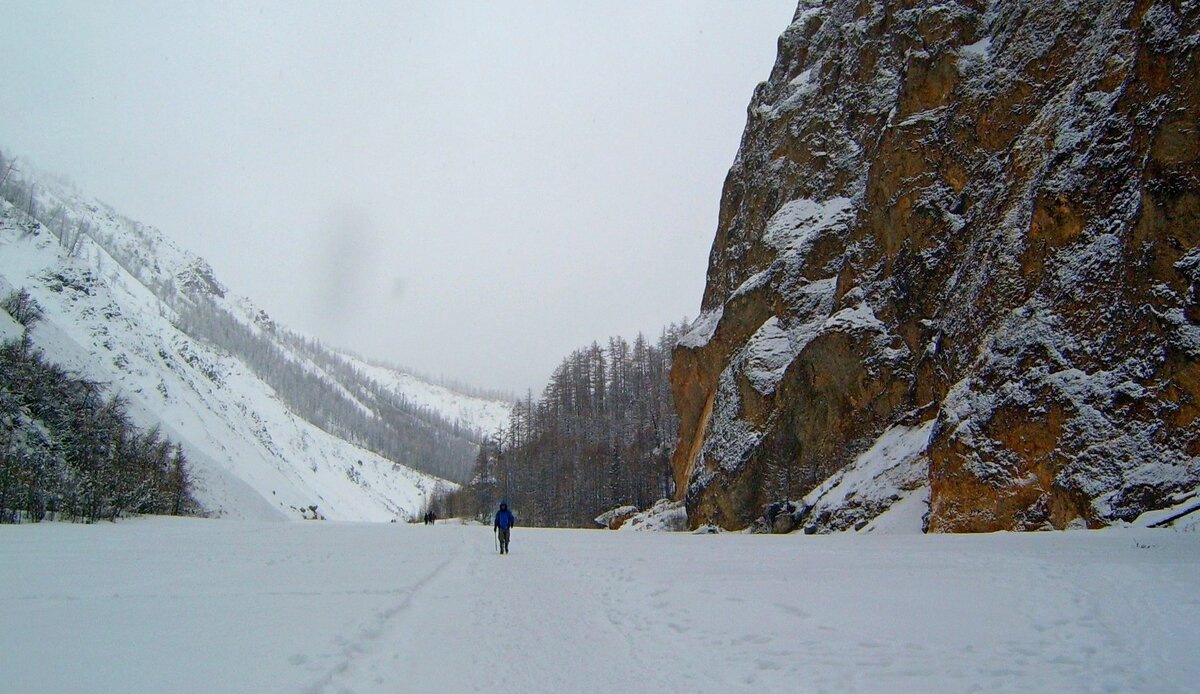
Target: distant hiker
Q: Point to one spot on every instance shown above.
(503, 526)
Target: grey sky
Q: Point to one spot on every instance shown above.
(468, 188)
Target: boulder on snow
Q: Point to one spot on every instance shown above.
(781, 517)
(614, 518)
(664, 516)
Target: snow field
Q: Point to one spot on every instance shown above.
(9, 328)
(192, 605)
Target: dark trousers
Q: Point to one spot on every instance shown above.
(504, 539)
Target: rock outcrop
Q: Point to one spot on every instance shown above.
(976, 220)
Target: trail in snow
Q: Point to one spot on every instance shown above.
(368, 639)
(187, 605)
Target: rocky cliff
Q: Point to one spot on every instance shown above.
(956, 262)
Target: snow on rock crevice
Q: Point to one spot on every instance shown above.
(701, 330)
(884, 489)
(800, 222)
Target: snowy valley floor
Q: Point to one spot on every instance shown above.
(178, 605)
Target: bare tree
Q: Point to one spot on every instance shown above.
(22, 307)
(12, 166)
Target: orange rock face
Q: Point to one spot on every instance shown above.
(986, 214)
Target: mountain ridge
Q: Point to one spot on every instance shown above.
(127, 306)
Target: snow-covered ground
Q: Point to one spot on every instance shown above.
(9, 328)
(189, 605)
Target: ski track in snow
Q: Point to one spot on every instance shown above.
(369, 637)
(187, 605)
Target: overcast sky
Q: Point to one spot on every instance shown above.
(472, 189)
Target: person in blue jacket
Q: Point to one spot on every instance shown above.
(503, 525)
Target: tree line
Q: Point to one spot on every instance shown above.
(68, 449)
(335, 396)
(600, 436)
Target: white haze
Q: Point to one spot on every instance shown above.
(469, 188)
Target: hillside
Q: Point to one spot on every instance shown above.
(476, 414)
(274, 423)
(956, 267)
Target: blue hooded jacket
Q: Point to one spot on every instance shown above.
(504, 517)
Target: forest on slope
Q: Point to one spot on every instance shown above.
(600, 436)
(68, 448)
(314, 381)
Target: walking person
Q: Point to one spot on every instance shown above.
(503, 526)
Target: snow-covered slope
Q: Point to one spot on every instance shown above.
(9, 328)
(478, 414)
(102, 280)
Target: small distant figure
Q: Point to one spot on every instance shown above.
(432, 518)
(503, 526)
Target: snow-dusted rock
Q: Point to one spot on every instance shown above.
(663, 516)
(975, 220)
(613, 518)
